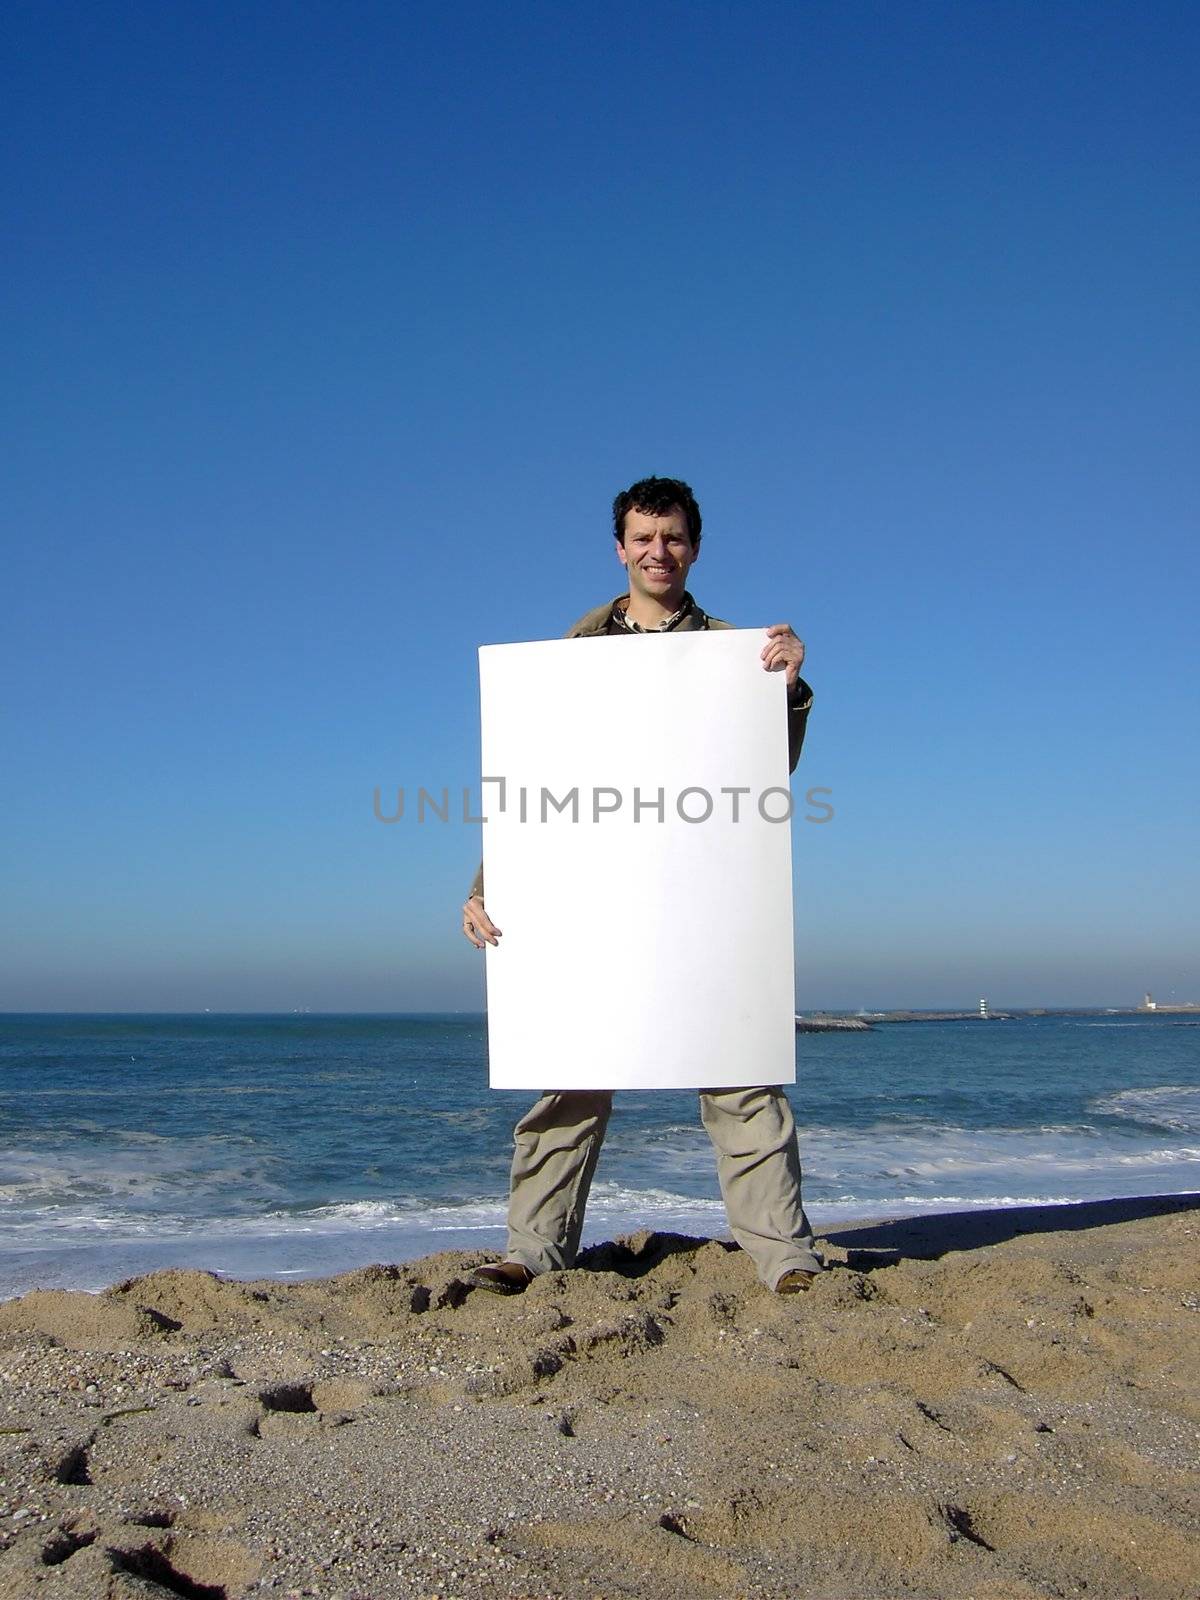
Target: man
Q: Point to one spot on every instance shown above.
(556, 1145)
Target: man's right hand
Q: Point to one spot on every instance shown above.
(477, 925)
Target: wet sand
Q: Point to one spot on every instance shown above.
(985, 1406)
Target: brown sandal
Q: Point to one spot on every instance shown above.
(797, 1281)
(501, 1277)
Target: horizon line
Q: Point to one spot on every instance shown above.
(969, 1010)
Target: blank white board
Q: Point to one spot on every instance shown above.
(639, 950)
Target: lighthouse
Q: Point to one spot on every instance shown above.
(983, 1010)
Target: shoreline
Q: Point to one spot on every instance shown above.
(997, 1403)
(341, 1251)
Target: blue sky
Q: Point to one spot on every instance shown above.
(331, 332)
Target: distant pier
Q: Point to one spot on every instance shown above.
(866, 1021)
(940, 1016)
(1151, 1004)
(826, 1022)
(819, 1023)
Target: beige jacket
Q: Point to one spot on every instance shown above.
(595, 622)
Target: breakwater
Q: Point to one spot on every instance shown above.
(824, 1024)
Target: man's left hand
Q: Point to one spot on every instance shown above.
(783, 651)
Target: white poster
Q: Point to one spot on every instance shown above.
(637, 859)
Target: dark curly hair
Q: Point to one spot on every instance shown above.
(657, 496)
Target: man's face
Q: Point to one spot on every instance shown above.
(656, 555)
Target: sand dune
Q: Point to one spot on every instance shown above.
(1001, 1406)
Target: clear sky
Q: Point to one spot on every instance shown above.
(330, 332)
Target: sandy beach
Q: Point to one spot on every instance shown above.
(996, 1405)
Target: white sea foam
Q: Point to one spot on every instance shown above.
(972, 1202)
(606, 1199)
(368, 1214)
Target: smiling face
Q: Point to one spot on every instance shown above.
(656, 553)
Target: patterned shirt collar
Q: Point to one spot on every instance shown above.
(619, 622)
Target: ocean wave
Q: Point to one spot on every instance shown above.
(1172, 1106)
(90, 1223)
(615, 1198)
(606, 1198)
(409, 1213)
(1169, 1019)
(134, 1183)
(136, 1169)
(1042, 1161)
(210, 1177)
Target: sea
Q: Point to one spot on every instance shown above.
(296, 1146)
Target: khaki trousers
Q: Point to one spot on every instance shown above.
(556, 1146)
